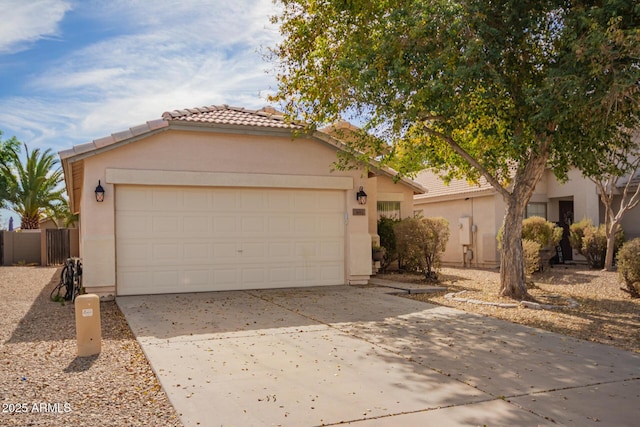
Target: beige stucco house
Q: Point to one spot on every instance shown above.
(219, 198)
(475, 213)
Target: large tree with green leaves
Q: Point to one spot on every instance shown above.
(500, 89)
(6, 147)
(33, 185)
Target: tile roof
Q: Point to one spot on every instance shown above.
(266, 117)
(226, 115)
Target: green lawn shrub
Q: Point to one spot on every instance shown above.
(628, 260)
(420, 242)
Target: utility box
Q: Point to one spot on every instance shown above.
(464, 224)
(88, 328)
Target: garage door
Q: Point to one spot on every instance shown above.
(191, 239)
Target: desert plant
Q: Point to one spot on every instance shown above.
(591, 241)
(531, 253)
(387, 241)
(421, 242)
(541, 231)
(628, 261)
(545, 234)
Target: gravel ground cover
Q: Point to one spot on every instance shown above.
(43, 383)
(604, 313)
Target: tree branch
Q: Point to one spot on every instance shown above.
(471, 160)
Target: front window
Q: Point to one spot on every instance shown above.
(536, 209)
(389, 210)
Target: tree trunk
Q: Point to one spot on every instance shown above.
(512, 275)
(611, 246)
(29, 222)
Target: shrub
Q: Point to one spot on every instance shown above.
(545, 234)
(629, 267)
(420, 242)
(531, 254)
(387, 241)
(541, 231)
(591, 241)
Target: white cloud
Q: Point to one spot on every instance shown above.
(25, 22)
(164, 56)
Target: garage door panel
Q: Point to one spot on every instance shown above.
(250, 225)
(187, 240)
(254, 250)
(252, 200)
(225, 251)
(132, 225)
(166, 252)
(197, 201)
(167, 225)
(197, 252)
(280, 250)
(196, 225)
(225, 226)
(135, 199)
(134, 254)
(226, 278)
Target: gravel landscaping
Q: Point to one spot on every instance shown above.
(43, 383)
(587, 304)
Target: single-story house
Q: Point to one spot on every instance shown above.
(221, 198)
(475, 213)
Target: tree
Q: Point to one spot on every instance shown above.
(614, 177)
(500, 90)
(33, 187)
(5, 149)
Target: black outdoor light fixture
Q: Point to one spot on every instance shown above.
(99, 193)
(361, 196)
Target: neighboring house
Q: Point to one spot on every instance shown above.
(220, 198)
(475, 213)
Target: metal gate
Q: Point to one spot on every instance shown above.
(58, 246)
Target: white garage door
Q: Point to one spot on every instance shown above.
(190, 239)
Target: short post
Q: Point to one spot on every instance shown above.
(88, 329)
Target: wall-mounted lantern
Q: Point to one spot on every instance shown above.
(99, 193)
(361, 196)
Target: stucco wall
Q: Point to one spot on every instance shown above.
(204, 152)
(485, 215)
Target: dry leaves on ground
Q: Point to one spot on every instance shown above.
(605, 313)
(39, 370)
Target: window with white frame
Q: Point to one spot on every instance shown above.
(389, 210)
(536, 209)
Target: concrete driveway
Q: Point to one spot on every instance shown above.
(324, 356)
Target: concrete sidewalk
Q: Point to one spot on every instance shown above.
(324, 356)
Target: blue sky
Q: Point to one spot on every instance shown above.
(75, 70)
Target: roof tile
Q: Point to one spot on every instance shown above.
(226, 115)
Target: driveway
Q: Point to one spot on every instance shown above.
(324, 356)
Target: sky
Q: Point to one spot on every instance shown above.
(72, 71)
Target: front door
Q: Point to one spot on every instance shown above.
(565, 208)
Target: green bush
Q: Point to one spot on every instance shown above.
(628, 260)
(531, 254)
(545, 234)
(591, 241)
(541, 231)
(420, 243)
(387, 241)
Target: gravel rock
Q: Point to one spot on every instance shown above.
(571, 300)
(44, 383)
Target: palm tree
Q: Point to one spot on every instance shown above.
(33, 187)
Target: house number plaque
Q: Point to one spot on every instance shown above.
(359, 212)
